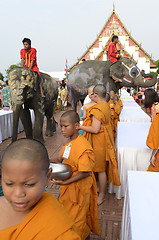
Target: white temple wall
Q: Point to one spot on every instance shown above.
(91, 56)
(96, 51)
(104, 40)
(143, 65)
(122, 40)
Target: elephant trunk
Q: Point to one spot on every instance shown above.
(146, 80)
(16, 115)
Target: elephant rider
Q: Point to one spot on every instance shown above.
(113, 54)
(29, 60)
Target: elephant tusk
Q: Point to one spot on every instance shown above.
(23, 105)
(125, 65)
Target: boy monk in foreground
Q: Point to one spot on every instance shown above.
(98, 132)
(78, 194)
(26, 211)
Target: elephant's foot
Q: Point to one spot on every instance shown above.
(48, 133)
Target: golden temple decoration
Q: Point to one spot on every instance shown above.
(91, 50)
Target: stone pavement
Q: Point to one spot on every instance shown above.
(110, 212)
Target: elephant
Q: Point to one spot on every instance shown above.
(25, 95)
(94, 72)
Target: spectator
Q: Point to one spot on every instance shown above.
(5, 98)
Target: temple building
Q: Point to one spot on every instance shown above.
(127, 45)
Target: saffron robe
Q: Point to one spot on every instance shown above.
(117, 111)
(153, 142)
(80, 198)
(47, 220)
(103, 142)
(121, 103)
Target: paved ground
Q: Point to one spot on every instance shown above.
(110, 212)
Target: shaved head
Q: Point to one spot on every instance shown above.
(116, 98)
(90, 89)
(100, 90)
(72, 116)
(112, 92)
(27, 150)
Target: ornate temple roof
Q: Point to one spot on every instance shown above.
(127, 44)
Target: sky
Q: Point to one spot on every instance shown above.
(61, 29)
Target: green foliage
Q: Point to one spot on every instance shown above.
(11, 67)
(157, 63)
(156, 73)
(1, 76)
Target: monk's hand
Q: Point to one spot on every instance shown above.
(57, 182)
(152, 161)
(79, 127)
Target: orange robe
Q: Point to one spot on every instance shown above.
(80, 198)
(117, 111)
(47, 220)
(120, 102)
(103, 142)
(112, 112)
(153, 142)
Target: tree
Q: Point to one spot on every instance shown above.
(157, 65)
(11, 67)
(1, 76)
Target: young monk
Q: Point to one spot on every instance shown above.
(26, 211)
(117, 111)
(78, 194)
(153, 143)
(98, 132)
(89, 105)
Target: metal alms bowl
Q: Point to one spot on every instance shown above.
(60, 171)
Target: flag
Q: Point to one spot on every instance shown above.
(66, 68)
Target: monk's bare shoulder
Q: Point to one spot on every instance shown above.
(2, 215)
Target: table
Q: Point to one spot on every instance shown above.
(6, 124)
(132, 152)
(134, 115)
(141, 211)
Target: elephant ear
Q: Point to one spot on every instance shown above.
(116, 69)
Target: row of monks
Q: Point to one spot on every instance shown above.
(27, 212)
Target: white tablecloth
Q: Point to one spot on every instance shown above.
(134, 115)
(141, 210)
(132, 152)
(6, 124)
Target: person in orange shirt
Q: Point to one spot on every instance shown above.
(26, 211)
(113, 53)
(78, 194)
(98, 132)
(29, 60)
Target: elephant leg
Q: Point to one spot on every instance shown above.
(49, 124)
(39, 119)
(26, 121)
(82, 101)
(16, 114)
(74, 103)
